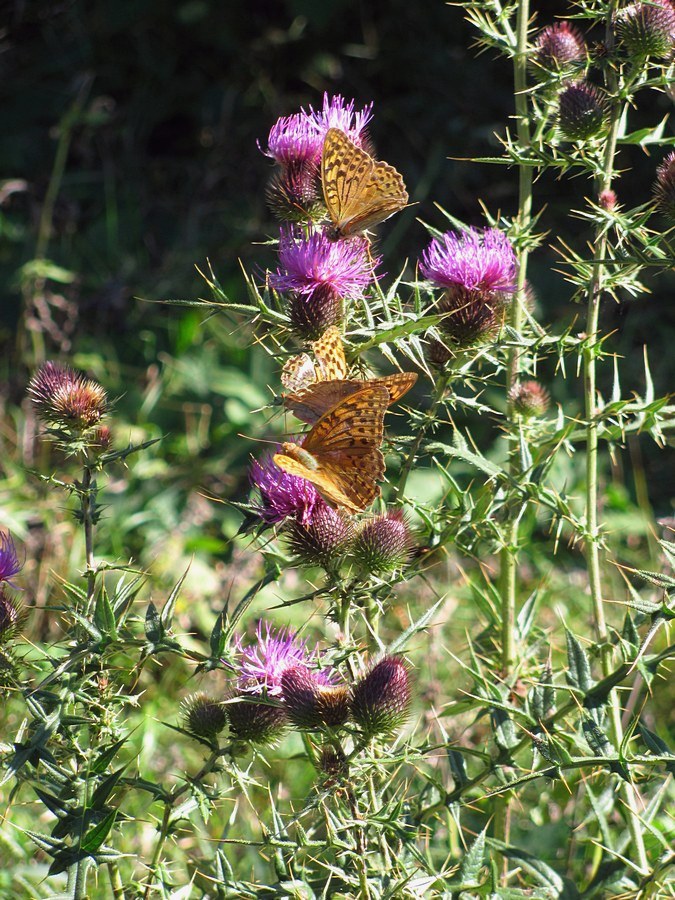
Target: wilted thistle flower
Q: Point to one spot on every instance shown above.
(204, 716)
(319, 274)
(323, 539)
(312, 703)
(664, 187)
(9, 558)
(12, 615)
(529, 398)
(66, 398)
(647, 29)
(381, 700)
(282, 495)
(383, 544)
(581, 111)
(560, 48)
(478, 271)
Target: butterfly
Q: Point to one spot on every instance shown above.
(358, 190)
(315, 387)
(340, 455)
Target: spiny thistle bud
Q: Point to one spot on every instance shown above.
(294, 193)
(102, 439)
(560, 48)
(647, 29)
(470, 317)
(381, 700)
(383, 544)
(582, 111)
(12, 615)
(204, 716)
(323, 539)
(529, 398)
(66, 398)
(310, 702)
(311, 315)
(255, 722)
(664, 187)
(607, 200)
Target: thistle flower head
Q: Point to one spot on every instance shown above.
(474, 260)
(383, 543)
(323, 540)
(582, 111)
(294, 139)
(664, 187)
(337, 113)
(315, 262)
(263, 663)
(66, 398)
(560, 48)
(647, 29)
(310, 702)
(9, 558)
(381, 700)
(203, 715)
(282, 495)
(470, 318)
(529, 398)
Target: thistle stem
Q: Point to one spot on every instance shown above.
(592, 539)
(429, 419)
(87, 507)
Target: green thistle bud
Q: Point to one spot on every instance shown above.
(255, 722)
(647, 29)
(323, 540)
(529, 398)
(310, 315)
(310, 702)
(582, 111)
(204, 716)
(383, 544)
(664, 187)
(381, 700)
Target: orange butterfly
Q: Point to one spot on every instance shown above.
(340, 455)
(359, 191)
(314, 388)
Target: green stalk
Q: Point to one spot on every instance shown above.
(429, 419)
(593, 539)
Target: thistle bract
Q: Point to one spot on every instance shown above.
(664, 187)
(204, 716)
(252, 721)
(560, 48)
(529, 398)
(323, 540)
(310, 702)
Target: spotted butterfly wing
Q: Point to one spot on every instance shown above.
(359, 191)
(340, 454)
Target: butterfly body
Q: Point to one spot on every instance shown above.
(340, 455)
(358, 190)
(314, 388)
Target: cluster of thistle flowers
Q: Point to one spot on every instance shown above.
(281, 683)
(561, 60)
(72, 407)
(12, 610)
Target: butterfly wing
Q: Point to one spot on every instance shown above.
(330, 355)
(298, 372)
(397, 384)
(328, 484)
(359, 192)
(314, 401)
(356, 422)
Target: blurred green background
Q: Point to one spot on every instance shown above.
(130, 155)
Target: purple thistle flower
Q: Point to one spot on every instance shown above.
(294, 139)
(282, 495)
(9, 558)
(263, 664)
(315, 262)
(482, 261)
(337, 113)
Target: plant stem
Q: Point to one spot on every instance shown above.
(429, 419)
(592, 541)
(88, 493)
